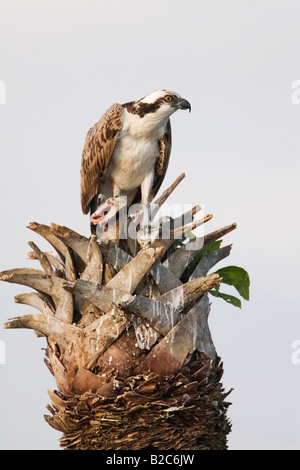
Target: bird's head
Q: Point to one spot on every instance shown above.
(161, 102)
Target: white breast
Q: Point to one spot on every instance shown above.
(136, 150)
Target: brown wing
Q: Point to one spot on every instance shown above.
(162, 162)
(97, 151)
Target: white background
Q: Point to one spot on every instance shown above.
(64, 63)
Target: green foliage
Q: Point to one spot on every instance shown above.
(231, 299)
(207, 249)
(237, 277)
(176, 245)
(191, 236)
(231, 275)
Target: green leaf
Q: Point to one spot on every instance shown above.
(228, 298)
(176, 245)
(237, 277)
(207, 249)
(191, 236)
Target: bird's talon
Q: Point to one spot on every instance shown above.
(100, 216)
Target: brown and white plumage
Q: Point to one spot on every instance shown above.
(97, 152)
(127, 151)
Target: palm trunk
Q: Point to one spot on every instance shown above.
(186, 411)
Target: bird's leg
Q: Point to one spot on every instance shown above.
(104, 212)
(116, 190)
(146, 188)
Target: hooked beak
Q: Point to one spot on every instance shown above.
(184, 104)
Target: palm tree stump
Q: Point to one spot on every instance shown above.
(127, 337)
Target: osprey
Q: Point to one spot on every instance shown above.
(126, 153)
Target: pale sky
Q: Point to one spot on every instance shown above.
(62, 65)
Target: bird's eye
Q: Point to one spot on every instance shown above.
(168, 98)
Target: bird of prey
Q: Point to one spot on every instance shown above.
(126, 153)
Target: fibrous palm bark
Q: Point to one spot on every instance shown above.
(127, 337)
